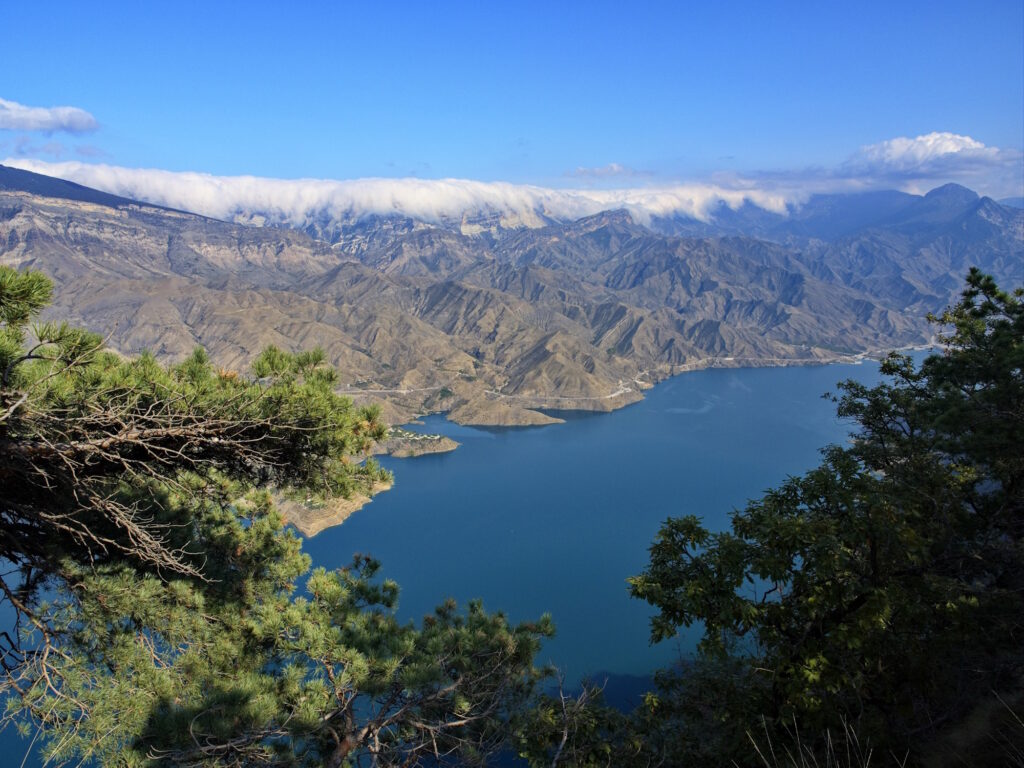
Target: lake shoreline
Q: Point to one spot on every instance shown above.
(515, 511)
(554, 409)
(311, 520)
(403, 443)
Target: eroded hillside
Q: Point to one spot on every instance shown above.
(496, 327)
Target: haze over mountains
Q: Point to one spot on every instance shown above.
(499, 311)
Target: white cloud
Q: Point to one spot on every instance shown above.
(301, 200)
(919, 163)
(914, 165)
(18, 117)
(913, 154)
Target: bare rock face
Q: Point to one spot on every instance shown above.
(495, 324)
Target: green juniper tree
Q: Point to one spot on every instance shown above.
(883, 590)
(164, 613)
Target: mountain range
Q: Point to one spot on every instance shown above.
(501, 320)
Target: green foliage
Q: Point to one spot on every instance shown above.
(882, 589)
(166, 616)
(22, 296)
(578, 731)
(92, 442)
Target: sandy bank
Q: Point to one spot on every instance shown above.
(311, 520)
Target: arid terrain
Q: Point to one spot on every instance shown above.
(496, 323)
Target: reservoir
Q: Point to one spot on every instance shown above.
(554, 519)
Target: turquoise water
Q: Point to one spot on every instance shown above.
(554, 519)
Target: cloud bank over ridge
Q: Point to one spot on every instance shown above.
(911, 164)
(296, 201)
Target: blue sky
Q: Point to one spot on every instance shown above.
(553, 94)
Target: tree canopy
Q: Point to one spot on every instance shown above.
(164, 613)
(883, 590)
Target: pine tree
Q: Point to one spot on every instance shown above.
(883, 590)
(167, 616)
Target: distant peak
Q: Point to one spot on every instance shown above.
(952, 192)
(616, 215)
(613, 217)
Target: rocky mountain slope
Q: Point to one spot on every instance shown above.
(497, 325)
